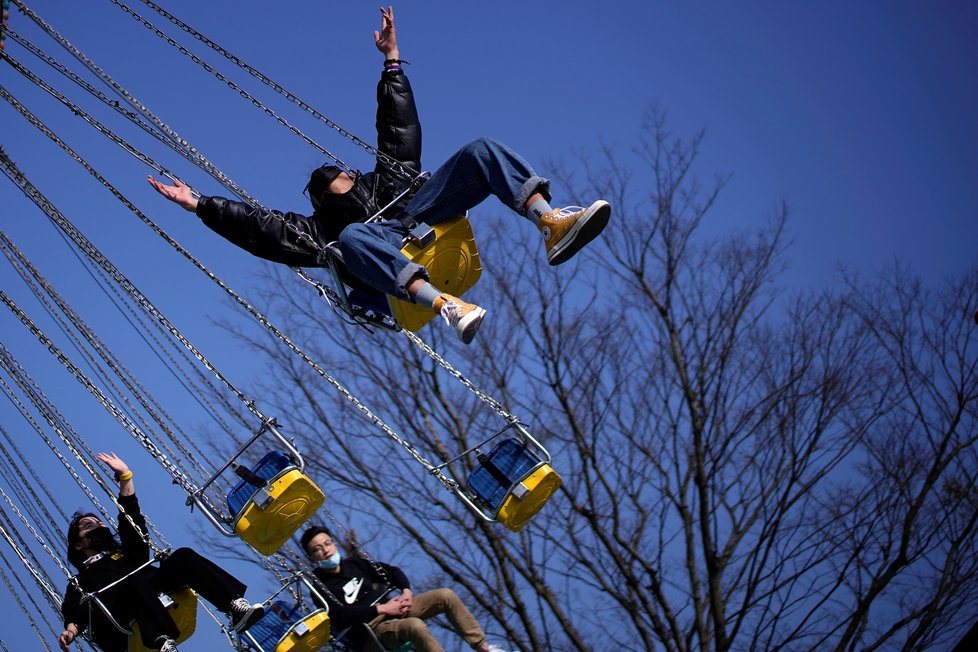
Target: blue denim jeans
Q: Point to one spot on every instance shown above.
(372, 252)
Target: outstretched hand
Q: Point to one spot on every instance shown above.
(386, 38)
(114, 462)
(178, 193)
(121, 470)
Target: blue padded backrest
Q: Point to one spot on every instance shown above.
(370, 300)
(278, 618)
(267, 468)
(512, 458)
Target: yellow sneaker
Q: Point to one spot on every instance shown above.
(567, 230)
(465, 318)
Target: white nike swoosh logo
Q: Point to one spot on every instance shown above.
(351, 590)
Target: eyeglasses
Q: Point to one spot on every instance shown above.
(322, 546)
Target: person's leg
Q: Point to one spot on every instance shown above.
(431, 603)
(372, 253)
(487, 167)
(392, 631)
(483, 167)
(185, 567)
(137, 600)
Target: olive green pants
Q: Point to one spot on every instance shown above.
(412, 627)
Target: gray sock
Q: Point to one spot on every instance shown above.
(537, 209)
(427, 294)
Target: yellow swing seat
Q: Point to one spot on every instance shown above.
(285, 628)
(453, 264)
(182, 606)
(265, 518)
(513, 483)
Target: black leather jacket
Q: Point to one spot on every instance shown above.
(268, 236)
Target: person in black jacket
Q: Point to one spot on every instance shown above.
(101, 560)
(357, 592)
(372, 252)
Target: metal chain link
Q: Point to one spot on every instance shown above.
(394, 165)
(27, 612)
(156, 128)
(233, 86)
(132, 101)
(136, 390)
(97, 256)
(35, 568)
(331, 295)
(62, 428)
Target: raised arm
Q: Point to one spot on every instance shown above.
(398, 125)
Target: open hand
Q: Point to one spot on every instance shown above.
(386, 38)
(178, 193)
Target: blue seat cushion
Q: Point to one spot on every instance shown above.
(515, 462)
(278, 618)
(370, 300)
(267, 468)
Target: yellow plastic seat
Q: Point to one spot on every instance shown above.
(513, 481)
(274, 513)
(517, 510)
(182, 606)
(289, 628)
(453, 264)
(307, 635)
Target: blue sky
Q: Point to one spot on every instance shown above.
(860, 115)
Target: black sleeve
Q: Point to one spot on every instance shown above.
(398, 125)
(134, 545)
(72, 610)
(262, 233)
(395, 575)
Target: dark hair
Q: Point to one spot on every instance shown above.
(75, 556)
(310, 533)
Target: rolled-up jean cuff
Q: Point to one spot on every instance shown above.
(410, 272)
(532, 185)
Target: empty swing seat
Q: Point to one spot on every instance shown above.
(453, 264)
(182, 607)
(287, 628)
(513, 483)
(266, 516)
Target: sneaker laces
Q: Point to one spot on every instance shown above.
(453, 313)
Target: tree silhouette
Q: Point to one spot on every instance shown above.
(745, 468)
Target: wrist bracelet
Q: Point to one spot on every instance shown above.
(123, 477)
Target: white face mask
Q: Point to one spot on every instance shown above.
(330, 562)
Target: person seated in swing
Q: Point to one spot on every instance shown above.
(102, 559)
(372, 252)
(356, 593)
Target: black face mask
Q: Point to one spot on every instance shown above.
(101, 539)
(349, 203)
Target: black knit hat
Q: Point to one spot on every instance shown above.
(320, 179)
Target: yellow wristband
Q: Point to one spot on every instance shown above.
(123, 477)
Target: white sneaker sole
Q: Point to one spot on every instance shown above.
(468, 325)
(585, 229)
